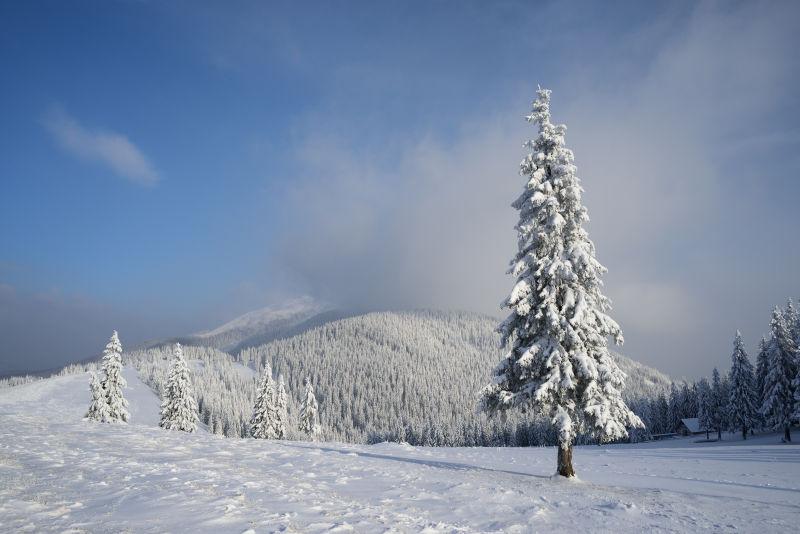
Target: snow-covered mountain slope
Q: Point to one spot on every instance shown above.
(59, 473)
(264, 325)
(68, 397)
(398, 376)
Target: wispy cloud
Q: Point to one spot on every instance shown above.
(110, 149)
(433, 226)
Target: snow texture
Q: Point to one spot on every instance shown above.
(59, 473)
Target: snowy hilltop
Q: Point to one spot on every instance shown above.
(261, 326)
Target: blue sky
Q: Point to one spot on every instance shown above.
(166, 166)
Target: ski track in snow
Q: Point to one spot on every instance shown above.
(59, 473)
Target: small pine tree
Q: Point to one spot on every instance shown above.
(778, 393)
(309, 413)
(113, 382)
(98, 408)
(558, 363)
(281, 409)
(262, 423)
(179, 408)
(704, 405)
(219, 428)
(742, 389)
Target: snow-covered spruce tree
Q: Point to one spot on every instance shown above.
(688, 403)
(98, 408)
(262, 424)
(558, 362)
(704, 405)
(281, 409)
(309, 413)
(762, 366)
(718, 404)
(796, 388)
(179, 407)
(660, 414)
(674, 411)
(743, 399)
(113, 382)
(778, 394)
(792, 322)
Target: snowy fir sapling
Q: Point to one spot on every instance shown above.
(98, 409)
(179, 407)
(113, 382)
(281, 409)
(309, 413)
(264, 422)
(558, 363)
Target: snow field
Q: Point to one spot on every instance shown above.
(59, 473)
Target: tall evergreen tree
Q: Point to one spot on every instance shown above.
(558, 362)
(309, 412)
(262, 423)
(778, 393)
(796, 387)
(792, 322)
(281, 409)
(704, 405)
(762, 366)
(662, 414)
(98, 408)
(179, 408)
(743, 400)
(674, 410)
(718, 404)
(688, 403)
(113, 382)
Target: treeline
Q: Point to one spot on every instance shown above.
(746, 398)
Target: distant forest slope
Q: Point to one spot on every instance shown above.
(387, 376)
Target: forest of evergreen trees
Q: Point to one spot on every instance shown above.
(414, 377)
(391, 376)
(744, 399)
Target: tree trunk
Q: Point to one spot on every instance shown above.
(565, 461)
(719, 434)
(744, 432)
(786, 435)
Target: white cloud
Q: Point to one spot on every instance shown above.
(431, 224)
(111, 149)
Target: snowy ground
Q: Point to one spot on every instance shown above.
(61, 474)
